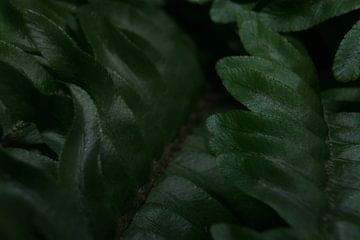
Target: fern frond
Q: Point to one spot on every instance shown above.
(288, 151)
(347, 60)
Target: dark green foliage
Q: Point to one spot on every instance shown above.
(93, 92)
(292, 150)
(234, 232)
(33, 206)
(191, 196)
(347, 59)
(80, 91)
(283, 15)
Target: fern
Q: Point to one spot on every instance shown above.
(284, 15)
(191, 196)
(293, 150)
(36, 198)
(347, 60)
(233, 232)
(90, 111)
(92, 92)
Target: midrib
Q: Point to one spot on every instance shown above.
(328, 218)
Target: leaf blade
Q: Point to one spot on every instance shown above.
(347, 59)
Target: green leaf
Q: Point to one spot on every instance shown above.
(35, 102)
(347, 60)
(123, 152)
(12, 26)
(256, 38)
(160, 40)
(15, 91)
(260, 87)
(191, 196)
(27, 84)
(54, 140)
(226, 11)
(80, 170)
(58, 12)
(5, 120)
(286, 153)
(41, 162)
(234, 232)
(27, 136)
(32, 205)
(121, 108)
(118, 108)
(284, 15)
(138, 76)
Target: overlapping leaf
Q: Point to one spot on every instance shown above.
(192, 196)
(33, 94)
(92, 93)
(347, 60)
(12, 26)
(137, 22)
(115, 108)
(123, 150)
(284, 15)
(27, 194)
(226, 11)
(286, 151)
(234, 232)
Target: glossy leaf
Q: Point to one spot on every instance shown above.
(58, 12)
(27, 136)
(12, 26)
(347, 60)
(284, 15)
(192, 196)
(93, 105)
(33, 205)
(123, 151)
(41, 162)
(226, 11)
(5, 120)
(92, 92)
(137, 75)
(29, 84)
(256, 38)
(160, 40)
(233, 232)
(285, 151)
(80, 166)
